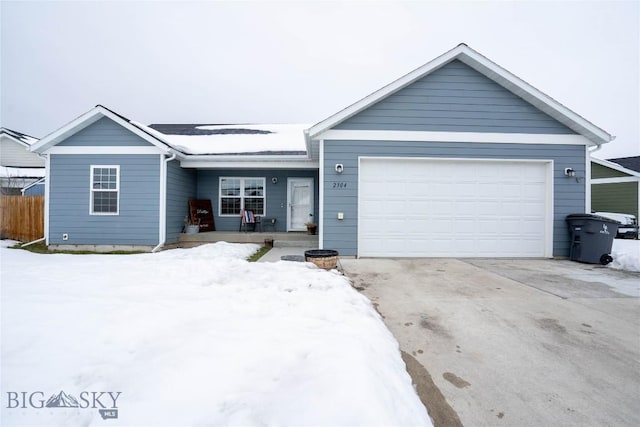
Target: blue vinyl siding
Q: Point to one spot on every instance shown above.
(69, 196)
(104, 132)
(276, 194)
(181, 186)
(455, 98)
(569, 194)
(35, 190)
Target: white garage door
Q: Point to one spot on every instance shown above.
(454, 208)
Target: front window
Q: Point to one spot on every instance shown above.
(242, 193)
(105, 190)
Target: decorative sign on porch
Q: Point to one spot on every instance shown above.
(201, 212)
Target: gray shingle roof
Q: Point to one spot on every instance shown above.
(632, 163)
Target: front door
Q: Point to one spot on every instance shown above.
(299, 203)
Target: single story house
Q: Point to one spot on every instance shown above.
(21, 171)
(614, 186)
(458, 158)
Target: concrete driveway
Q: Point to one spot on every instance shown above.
(513, 342)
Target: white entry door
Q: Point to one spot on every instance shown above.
(299, 203)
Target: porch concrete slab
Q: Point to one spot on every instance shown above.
(515, 342)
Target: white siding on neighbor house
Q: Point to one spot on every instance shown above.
(17, 155)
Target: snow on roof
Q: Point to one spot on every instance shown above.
(273, 139)
(12, 172)
(23, 137)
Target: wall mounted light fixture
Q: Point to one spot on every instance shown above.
(569, 172)
(339, 167)
(274, 180)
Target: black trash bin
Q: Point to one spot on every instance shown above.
(591, 238)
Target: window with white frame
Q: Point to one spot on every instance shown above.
(105, 190)
(241, 193)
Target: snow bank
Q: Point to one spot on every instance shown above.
(626, 255)
(197, 337)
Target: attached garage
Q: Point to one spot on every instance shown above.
(426, 207)
(457, 158)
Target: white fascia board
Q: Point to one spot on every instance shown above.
(392, 87)
(615, 180)
(478, 137)
(189, 162)
(104, 150)
(84, 121)
(534, 96)
(615, 166)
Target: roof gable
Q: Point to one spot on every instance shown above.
(89, 118)
(499, 75)
(454, 98)
(18, 137)
(616, 167)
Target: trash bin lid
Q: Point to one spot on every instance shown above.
(586, 216)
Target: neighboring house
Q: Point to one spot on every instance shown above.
(457, 158)
(19, 167)
(615, 185)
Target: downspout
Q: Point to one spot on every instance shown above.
(162, 232)
(587, 173)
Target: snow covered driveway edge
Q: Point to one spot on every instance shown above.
(626, 255)
(198, 336)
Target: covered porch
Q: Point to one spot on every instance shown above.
(279, 239)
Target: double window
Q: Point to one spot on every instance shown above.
(105, 190)
(241, 193)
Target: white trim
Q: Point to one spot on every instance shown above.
(488, 68)
(92, 190)
(551, 206)
(202, 164)
(615, 180)
(321, 196)
(33, 184)
(241, 196)
(480, 137)
(214, 158)
(587, 180)
(615, 166)
(162, 230)
(47, 196)
(549, 222)
(104, 150)
(86, 120)
(290, 179)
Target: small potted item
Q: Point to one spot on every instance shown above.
(312, 227)
(191, 228)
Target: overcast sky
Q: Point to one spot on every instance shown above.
(300, 62)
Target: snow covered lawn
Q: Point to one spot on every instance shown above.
(626, 255)
(194, 337)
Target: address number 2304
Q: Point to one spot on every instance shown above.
(339, 185)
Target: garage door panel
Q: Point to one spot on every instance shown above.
(430, 207)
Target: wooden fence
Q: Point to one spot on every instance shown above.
(22, 217)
